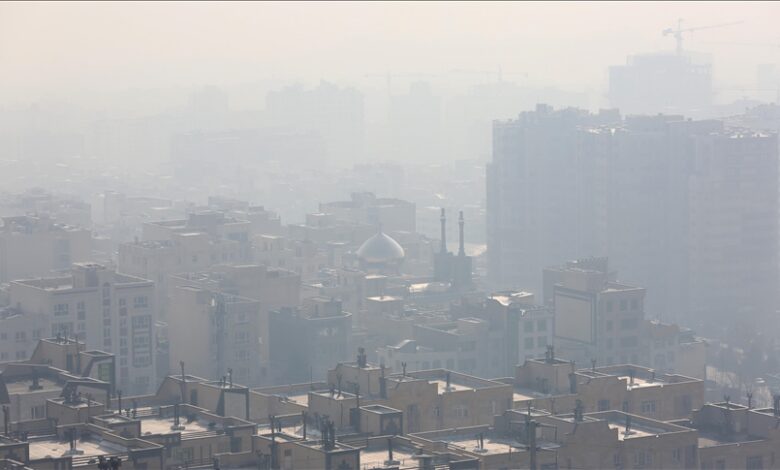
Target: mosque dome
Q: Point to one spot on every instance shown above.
(380, 248)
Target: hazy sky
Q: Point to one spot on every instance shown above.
(63, 47)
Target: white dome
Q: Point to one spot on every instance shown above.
(380, 248)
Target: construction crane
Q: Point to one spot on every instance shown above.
(678, 32)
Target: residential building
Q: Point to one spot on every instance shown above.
(304, 342)
(683, 208)
(106, 310)
(38, 246)
(216, 333)
(661, 83)
(595, 316)
(394, 215)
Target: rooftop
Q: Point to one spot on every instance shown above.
(22, 386)
(440, 377)
(53, 446)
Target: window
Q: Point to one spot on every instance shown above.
(241, 336)
(4, 356)
(603, 405)
(21, 355)
(629, 324)
(541, 341)
(528, 343)
(623, 305)
(541, 325)
(609, 325)
(81, 311)
(676, 456)
(60, 310)
(755, 462)
(648, 406)
(609, 305)
(140, 302)
(634, 304)
(629, 342)
(37, 412)
(141, 322)
(21, 336)
(642, 458)
(686, 403)
(63, 329)
(528, 326)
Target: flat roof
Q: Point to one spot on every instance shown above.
(53, 446)
(151, 425)
(458, 382)
(22, 386)
(492, 444)
(375, 457)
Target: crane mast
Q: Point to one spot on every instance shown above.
(678, 31)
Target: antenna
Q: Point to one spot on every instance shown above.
(461, 247)
(443, 220)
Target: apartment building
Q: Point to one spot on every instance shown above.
(108, 311)
(39, 246)
(596, 317)
(215, 332)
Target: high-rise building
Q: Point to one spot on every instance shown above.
(106, 310)
(661, 83)
(544, 186)
(684, 208)
(733, 226)
(36, 246)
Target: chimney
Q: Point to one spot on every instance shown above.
(361, 358)
(578, 417)
(443, 219)
(382, 383)
(776, 405)
(461, 249)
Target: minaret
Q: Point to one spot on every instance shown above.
(443, 232)
(461, 250)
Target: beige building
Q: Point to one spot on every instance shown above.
(595, 316)
(108, 311)
(554, 385)
(735, 436)
(395, 215)
(57, 365)
(19, 333)
(32, 247)
(214, 332)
